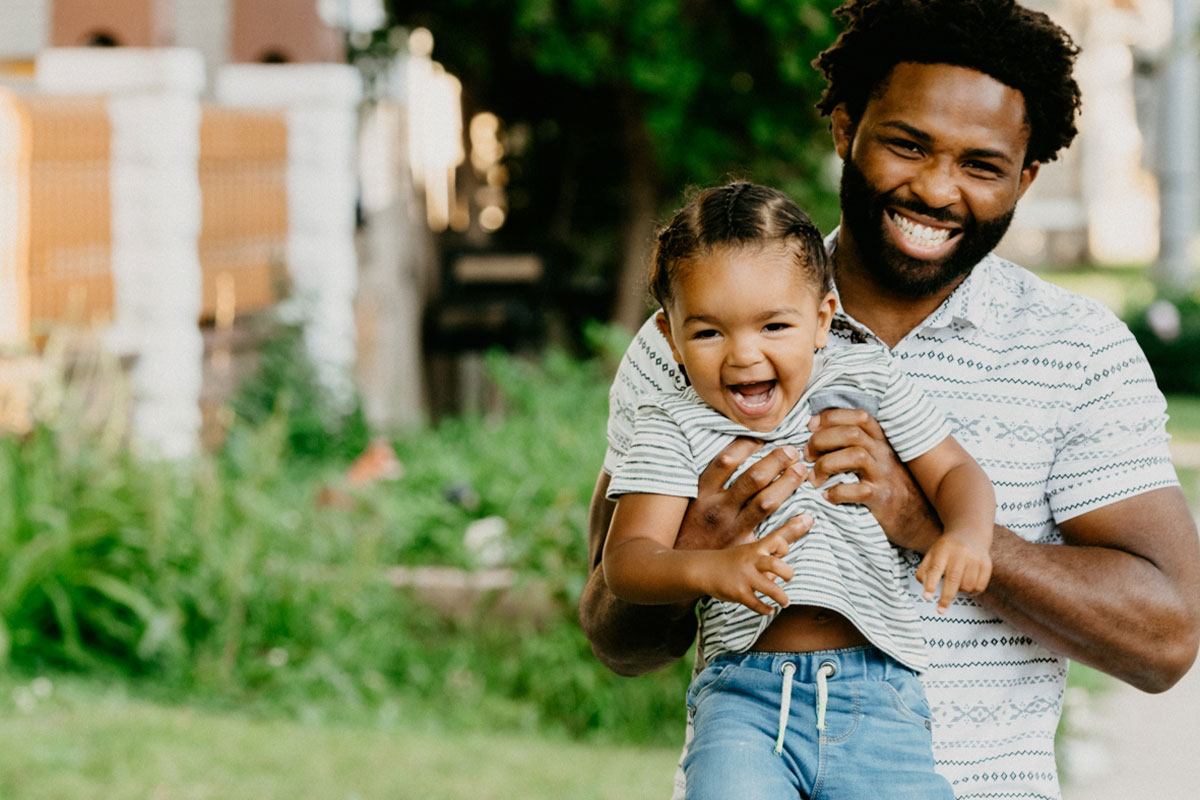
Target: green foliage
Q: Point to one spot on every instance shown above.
(234, 576)
(1174, 361)
(600, 95)
(286, 383)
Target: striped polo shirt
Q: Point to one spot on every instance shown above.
(1053, 397)
(845, 561)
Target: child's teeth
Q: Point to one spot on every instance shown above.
(920, 234)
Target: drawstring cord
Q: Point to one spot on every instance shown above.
(827, 670)
(785, 705)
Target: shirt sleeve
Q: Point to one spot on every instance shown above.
(647, 367)
(659, 460)
(912, 423)
(1114, 438)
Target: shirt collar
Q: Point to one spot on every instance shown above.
(967, 306)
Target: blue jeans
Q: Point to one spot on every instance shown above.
(874, 742)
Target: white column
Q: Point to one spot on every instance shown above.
(154, 109)
(321, 102)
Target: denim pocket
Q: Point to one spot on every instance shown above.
(908, 698)
(710, 679)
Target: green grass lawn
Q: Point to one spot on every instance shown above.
(88, 740)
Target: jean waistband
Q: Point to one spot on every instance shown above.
(851, 663)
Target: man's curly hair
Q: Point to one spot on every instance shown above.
(1021, 48)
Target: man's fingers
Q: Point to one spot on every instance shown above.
(761, 474)
(849, 493)
(778, 489)
(719, 470)
(836, 428)
(853, 458)
(846, 418)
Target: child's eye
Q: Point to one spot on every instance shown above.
(705, 334)
(776, 326)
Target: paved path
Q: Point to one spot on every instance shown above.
(1139, 745)
(1135, 745)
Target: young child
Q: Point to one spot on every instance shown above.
(744, 283)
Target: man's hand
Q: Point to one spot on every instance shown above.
(721, 517)
(850, 440)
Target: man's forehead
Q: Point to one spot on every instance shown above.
(936, 98)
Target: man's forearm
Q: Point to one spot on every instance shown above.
(632, 640)
(1105, 607)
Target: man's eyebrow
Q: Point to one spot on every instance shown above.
(925, 138)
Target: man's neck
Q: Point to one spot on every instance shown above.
(889, 315)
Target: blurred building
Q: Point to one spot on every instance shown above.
(1098, 202)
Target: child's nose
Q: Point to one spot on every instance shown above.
(743, 353)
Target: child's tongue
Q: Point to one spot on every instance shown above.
(754, 394)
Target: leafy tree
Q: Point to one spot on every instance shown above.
(624, 103)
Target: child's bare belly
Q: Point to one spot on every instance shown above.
(802, 629)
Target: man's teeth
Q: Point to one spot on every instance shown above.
(920, 234)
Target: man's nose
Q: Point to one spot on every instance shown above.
(935, 183)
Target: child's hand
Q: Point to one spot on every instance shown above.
(962, 560)
(739, 574)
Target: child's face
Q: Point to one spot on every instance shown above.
(744, 322)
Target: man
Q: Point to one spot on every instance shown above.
(943, 112)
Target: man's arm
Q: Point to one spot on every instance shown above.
(633, 640)
(1122, 594)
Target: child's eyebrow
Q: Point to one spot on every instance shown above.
(707, 319)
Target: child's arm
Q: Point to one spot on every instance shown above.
(641, 565)
(961, 493)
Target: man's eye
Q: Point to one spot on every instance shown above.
(990, 170)
(905, 146)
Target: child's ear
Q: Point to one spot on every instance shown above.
(825, 309)
(664, 327)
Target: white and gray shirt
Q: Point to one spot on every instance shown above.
(1053, 397)
(845, 561)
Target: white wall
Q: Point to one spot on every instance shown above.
(24, 28)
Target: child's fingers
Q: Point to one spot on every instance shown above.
(775, 568)
(775, 592)
(774, 544)
(929, 573)
(950, 587)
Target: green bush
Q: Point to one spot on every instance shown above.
(1174, 361)
(229, 577)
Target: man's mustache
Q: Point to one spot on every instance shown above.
(916, 206)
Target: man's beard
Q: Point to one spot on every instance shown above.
(863, 207)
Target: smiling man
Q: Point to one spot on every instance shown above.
(943, 112)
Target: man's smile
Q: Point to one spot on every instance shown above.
(920, 239)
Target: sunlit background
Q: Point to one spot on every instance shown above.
(307, 314)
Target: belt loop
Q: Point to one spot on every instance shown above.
(785, 704)
(827, 670)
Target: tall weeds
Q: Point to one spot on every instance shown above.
(226, 575)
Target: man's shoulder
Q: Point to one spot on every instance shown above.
(648, 365)
(1023, 301)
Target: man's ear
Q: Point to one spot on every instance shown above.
(843, 130)
(825, 310)
(1028, 173)
(664, 327)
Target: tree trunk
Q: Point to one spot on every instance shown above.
(638, 218)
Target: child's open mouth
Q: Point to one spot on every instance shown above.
(753, 399)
